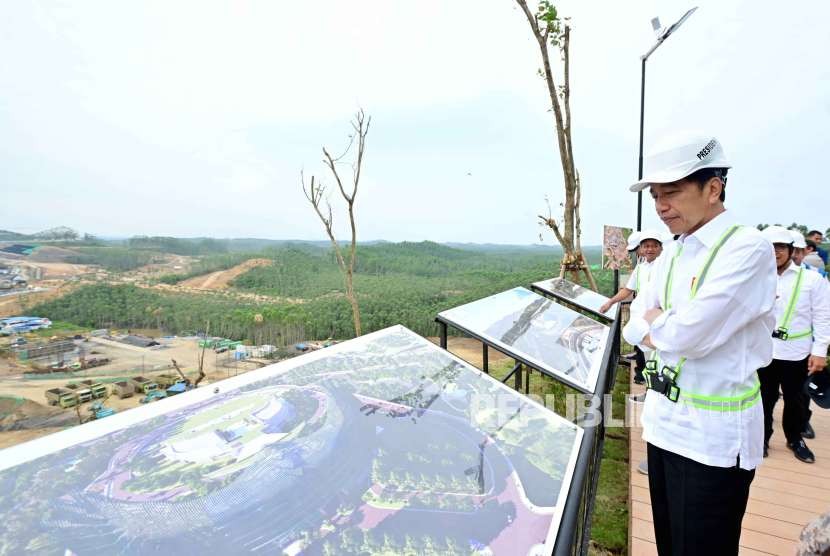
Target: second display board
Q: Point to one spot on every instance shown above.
(552, 338)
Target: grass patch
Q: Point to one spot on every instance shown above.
(609, 531)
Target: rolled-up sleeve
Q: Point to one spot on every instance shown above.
(637, 327)
(733, 294)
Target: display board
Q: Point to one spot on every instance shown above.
(383, 444)
(615, 248)
(538, 331)
(577, 295)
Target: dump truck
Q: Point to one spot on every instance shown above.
(98, 389)
(62, 397)
(123, 389)
(143, 385)
(83, 392)
(167, 380)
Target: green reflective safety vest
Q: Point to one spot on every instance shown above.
(739, 402)
(790, 312)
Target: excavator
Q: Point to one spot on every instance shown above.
(188, 385)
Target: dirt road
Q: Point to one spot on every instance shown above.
(469, 350)
(220, 280)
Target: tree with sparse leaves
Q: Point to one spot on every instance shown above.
(553, 32)
(315, 193)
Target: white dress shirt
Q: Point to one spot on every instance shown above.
(640, 276)
(725, 334)
(812, 310)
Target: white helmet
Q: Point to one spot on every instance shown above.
(777, 234)
(798, 240)
(633, 241)
(680, 155)
(651, 234)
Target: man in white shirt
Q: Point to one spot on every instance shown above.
(799, 251)
(801, 337)
(649, 246)
(707, 312)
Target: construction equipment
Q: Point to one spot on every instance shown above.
(62, 397)
(82, 391)
(167, 380)
(143, 385)
(99, 411)
(153, 395)
(187, 380)
(123, 389)
(98, 389)
(176, 388)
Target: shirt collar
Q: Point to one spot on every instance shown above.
(709, 233)
(792, 267)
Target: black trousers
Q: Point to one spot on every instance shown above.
(697, 509)
(790, 376)
(639, 363)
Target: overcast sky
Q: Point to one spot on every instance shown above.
(195, 118)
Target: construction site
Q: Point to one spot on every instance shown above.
(46, 385)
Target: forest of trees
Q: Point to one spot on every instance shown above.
(118, 259)
(405, 283)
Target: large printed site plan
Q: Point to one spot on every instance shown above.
(378, 445)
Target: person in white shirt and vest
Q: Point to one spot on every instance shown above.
(799, 251)
(801, 337)
(708, 315)
(649, 245)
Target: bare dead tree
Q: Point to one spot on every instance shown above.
(550, 30)
(315, 193)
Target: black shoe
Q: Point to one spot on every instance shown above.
(641, 380)
(808, 432)
(801, 451)
(766, 450)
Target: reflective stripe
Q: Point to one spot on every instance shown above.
(799, 335)
(669, 279)
(723, 239)
(637, 279)
(714, 403)
(790, 312)
(719, 403)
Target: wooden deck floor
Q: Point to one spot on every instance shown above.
(782, 500)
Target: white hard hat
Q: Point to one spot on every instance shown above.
(680, 155)
(798, 240)
(651, 234)
(633, 241)
(777, 234)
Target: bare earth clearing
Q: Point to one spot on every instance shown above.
(221, 279)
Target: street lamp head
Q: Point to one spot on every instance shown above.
(664, 32)
(655, 24)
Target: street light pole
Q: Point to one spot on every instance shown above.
(662, 35)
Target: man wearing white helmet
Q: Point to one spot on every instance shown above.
(648, 245)
(799, 245)
(801, 337)
(707, 313)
